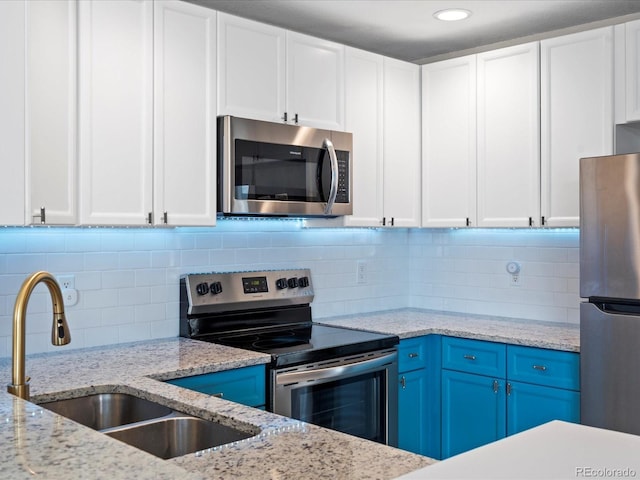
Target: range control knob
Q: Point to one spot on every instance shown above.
(303, 282)
(292, 282)
(215, 288)
(281, 283)
(202, 289)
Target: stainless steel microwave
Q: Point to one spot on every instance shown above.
(273, 169)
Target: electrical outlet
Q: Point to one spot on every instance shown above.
(515, 280)
(67, 282)
(361, 272)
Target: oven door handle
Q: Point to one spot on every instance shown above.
(337, 371)
(328, 144)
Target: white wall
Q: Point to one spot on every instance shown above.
(128, 278)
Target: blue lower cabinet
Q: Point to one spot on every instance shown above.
(419, 395)
(490, 390)
(473, 411)
(242, 385)
(412, 412)
(531, 405)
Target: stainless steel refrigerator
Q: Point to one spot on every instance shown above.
(610, 288)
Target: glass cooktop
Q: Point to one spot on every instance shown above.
(312, 342)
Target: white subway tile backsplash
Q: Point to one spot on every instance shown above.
(117, 316)
(118, 279)
(127, 279)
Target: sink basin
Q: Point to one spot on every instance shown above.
(107, 410)
(146, 425)
(176, 436)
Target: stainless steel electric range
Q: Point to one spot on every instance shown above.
(339, 378)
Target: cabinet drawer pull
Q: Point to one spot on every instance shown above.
(496, 386)
(542, 368)
(218, 395)
(469, 357)
(413, 355)
(403, 382)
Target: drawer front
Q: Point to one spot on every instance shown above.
(474, 356)
(540, 366)
(412, 354)
(241, 385)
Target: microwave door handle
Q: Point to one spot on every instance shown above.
(334, 176)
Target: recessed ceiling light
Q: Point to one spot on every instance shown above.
(452, 14)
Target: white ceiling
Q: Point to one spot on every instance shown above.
(406, 29)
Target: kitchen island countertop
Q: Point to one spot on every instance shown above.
(556, 450)
(38, 442)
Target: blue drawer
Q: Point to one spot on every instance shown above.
(474, 356)
(242, 385)
(412, 354)
(539, 366)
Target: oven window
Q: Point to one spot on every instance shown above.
(267, 171)
(355, 405)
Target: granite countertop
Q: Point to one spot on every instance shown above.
(38, 442)
(407, 323)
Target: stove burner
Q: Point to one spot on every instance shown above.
(238, 339)
(279, 342)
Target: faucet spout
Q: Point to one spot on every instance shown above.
(59, 334)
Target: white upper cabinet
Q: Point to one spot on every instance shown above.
(251, 69)
(51, 128)
(401, 144)
(576, 116)
(628, 63)
(315, 82)
(184, 114)
(363, 115)
(268, 73)
(116, 108)
(449, 143)
(12, 113)
(509, 137)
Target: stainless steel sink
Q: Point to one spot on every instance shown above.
(146, 425)
(107, 410)
(176, 436)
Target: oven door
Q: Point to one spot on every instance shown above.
(355, 395)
